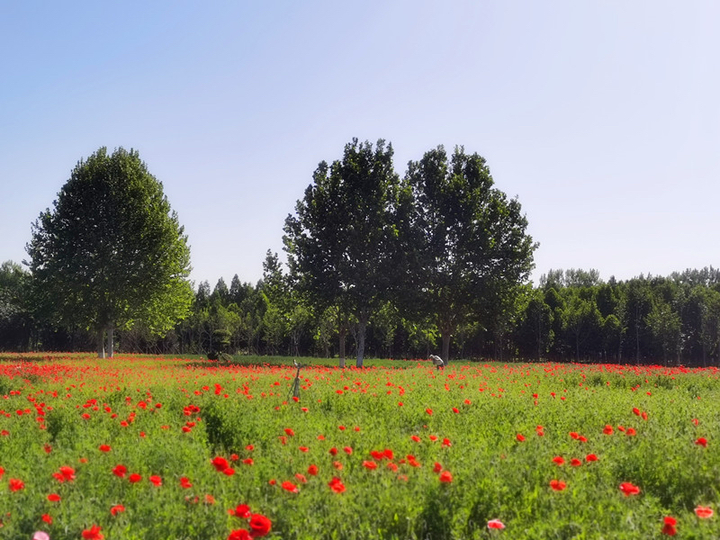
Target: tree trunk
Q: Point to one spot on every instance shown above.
(362, 326)
(101, 343)
(446, 335)
(110, 344)
(343, 335)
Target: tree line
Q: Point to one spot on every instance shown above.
(570, 315)
(402, 267)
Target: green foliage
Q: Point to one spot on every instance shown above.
(111, 251)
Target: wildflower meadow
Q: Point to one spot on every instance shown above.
(138, 447)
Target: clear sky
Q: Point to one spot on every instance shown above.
(602, 117)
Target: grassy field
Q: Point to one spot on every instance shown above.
(170, 448)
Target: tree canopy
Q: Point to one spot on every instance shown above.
(111, 251)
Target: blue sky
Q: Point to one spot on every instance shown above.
(602, 117)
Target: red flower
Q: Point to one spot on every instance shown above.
(704, 512)
(389, 454)
(437, 467)
(557, 485)
(229, 471)
(669, 526)
(259, 525)
(608, 430)
(289, 486)
(348, 450)
(248, 461)
(2, 471)
(185, 483)
(134, 478)
(239, 534)
(369, 465)
(66, 474)
(631, 432)
(104, 448)
(446, 477)
(16, 485)
(117, 509)
(701, 441)
(220, 464)
(93, 533)
(301, 478)
(333, 451)
(242, 511)
(47, 518)
(429, 411)
(520, 437)
(628, 489)
(591, 457)
(336, 485)
(575, 462)
(636, 411)
(303, 448)
(559, 460)
(156, 480)
(53, 497)
(415, 438)
(120, 470)
(446, 442)
(289, 432)
(312, 470)
(495, 524)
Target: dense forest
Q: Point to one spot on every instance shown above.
(570, 315)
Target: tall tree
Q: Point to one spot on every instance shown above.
(112, 250)
(470, 240)
(342, 241)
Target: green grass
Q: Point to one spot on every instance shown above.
(494, 474)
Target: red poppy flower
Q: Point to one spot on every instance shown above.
(134, 478)
(93, 533)
(389, 454)
(446, 442)
(338, 465)
(446, 477)
(66, 474)
(591, 457)
(415, 438)
(239, 534)
(369, 465)
(704, 512)
(185, 483)
(701, 441)
(631, 432)
(289, 432)
(437, 467)
(2, 471)
(429, 411)
(520, 437)
(333, 451)
(117, 509)
(303, 449)
(47, 518)
(156, 480)
(608, 430)
(557, 485)
(242, 511)
(636, 411)
(559, 460)
(248, 461)
(229, 471)
(301, 478)
(575, 462)
(259, 525)
(120, 470)
(16, 485)
(104, 448)
(495, 524)
(220, 463)
(348, 450)
(312, 470)
(289, 486)
(53, 497)
(629, 489)
(336, 485)
(669, 524)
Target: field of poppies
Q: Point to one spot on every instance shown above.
(170, 448)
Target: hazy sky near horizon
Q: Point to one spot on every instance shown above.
(601, 117)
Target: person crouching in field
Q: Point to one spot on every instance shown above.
(437, 361)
